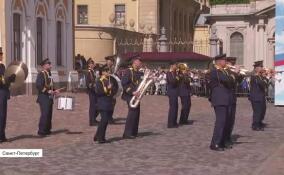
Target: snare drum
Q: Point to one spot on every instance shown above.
(65, 103)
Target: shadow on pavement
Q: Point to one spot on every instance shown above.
(74, 132)
(59, 131)
(29, 136)
(235, 138)
(119, 119)
(22, 137)
(189, 122)
(141, 134)
(144, 134)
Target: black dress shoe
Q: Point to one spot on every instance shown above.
(257, 129)
(216, 148)
(129, 137)
(228, 145)
(174, 126)
(3, 140)
(103, 141)
(186, 123)
(263, 125)
(42, 135)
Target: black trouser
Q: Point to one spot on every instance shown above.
(93, 113)
(221, 113)
(46, 116)
(3, 114)
(263, 111)
(173, 111)
(230, 122)
(101, 130)
(259, 110)
(114, 103)
(185, 109)
(132, 121)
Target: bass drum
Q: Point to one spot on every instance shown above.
(116, 84)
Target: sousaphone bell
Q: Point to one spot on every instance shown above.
(20, 69)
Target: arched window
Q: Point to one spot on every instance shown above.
(237, 47)
(59, 43)
(39, 40)
(17, 36)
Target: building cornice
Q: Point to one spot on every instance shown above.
(106, 29)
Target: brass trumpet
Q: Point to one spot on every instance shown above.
(181, 67)
(242, 70)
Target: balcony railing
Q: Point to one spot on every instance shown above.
(224, 2)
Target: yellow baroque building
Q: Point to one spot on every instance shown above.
(104, 28)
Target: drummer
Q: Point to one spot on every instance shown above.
(46, 93)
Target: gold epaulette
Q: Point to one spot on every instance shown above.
(107, 92)
(2, 79)
(46, 86)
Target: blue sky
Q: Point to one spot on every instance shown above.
(280, 26)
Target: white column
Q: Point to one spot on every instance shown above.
(213, 40)
(261, 41)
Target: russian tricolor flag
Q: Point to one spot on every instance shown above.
(279, 59)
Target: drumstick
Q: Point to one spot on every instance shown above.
(60, 89)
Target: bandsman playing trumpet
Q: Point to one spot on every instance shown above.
(130, 82)
(173, 93)
(220, 83)
(91, 84)
(237, 77)
(257, 93)
(4, 96)
(184, 93)
(105, 93)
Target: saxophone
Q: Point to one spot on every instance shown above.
(148, 79)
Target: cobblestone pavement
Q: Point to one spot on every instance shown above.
(181, 151)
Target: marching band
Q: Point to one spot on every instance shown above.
(103, 86)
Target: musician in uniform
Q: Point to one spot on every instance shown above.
(130, 82)
(185, 95)
(110, 65)
(91, 83)
(258, 87)
(220, 83)
(173, 93)
(46, 93)
(4, 96)
(105, 95)
(236, 79)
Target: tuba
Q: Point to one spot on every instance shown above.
(20, 69)
(114, 79)
(143, 86)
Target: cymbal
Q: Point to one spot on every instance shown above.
(20, 70)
